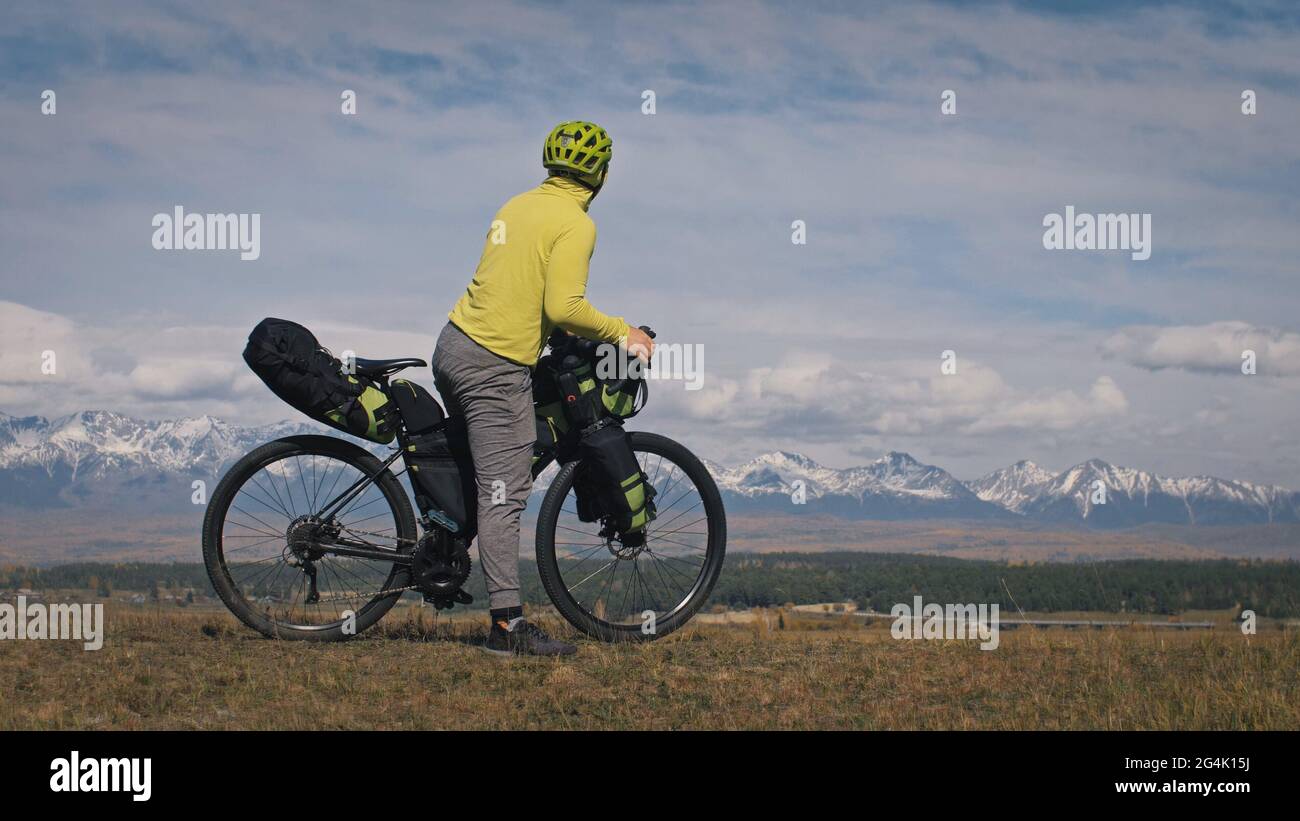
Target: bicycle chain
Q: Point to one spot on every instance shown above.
(389, 591)
(340, 597)
(382, 535)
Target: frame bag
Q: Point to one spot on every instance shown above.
(287, 357)
(442, 474)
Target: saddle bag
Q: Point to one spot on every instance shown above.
(442, 474)
(288, 358)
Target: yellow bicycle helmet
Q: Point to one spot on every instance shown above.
(580, 150)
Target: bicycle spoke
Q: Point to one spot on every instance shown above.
(276, 585)
(661, 574)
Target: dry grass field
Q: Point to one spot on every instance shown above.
(188, 669)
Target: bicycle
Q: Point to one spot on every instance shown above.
(296, 554)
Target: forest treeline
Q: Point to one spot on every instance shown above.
(876, 581)
(879, 581)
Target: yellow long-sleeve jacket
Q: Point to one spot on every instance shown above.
(532, 276)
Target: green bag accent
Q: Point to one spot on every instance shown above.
(610, 481)
(634, 488)
(580, 382)
(554, 416)
(376, 406)
(618, 403)
(640, 519)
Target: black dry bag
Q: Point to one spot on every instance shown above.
(287, 357)
(610, 482)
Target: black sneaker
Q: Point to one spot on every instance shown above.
(523, 638)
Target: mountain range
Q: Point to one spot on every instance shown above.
(102, 458)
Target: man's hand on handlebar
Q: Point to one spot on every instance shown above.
(640, 342)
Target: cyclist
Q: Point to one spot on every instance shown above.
(531, 278)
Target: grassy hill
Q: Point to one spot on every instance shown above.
(181, 669)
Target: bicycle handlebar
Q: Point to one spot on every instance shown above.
(565, 344)
(562, 341)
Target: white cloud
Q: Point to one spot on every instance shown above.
(1055, 410)
(817, 397)
(25, 335)
(1215, 347)
(159, 372)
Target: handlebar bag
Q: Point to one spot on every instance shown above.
(567, 389)
(610, 481)
(619, 397)
(288, 358)
(579, 391)
(442, 474)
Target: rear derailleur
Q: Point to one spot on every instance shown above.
(302, 549)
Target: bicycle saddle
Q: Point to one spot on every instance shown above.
(384, 367)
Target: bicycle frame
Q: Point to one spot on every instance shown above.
(363, 550)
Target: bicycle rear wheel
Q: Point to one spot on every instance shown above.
(261, 535)
(616, 592)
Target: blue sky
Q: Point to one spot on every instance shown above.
(924, 231)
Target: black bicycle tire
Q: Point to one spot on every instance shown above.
(548, 566)
(245, 468)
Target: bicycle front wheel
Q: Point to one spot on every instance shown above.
(616, 592)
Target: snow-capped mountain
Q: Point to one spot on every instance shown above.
(127, 462)
(53, 463)
(893, 486)
(1012, 487)
(99, 444)
(1111, 496)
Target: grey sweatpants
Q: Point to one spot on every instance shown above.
(496, 398)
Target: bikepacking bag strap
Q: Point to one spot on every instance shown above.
(610, 472)
(369, 416)
(291, 362)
